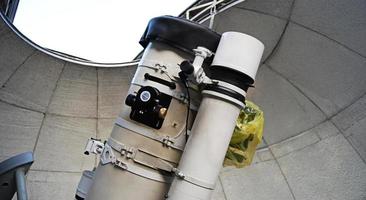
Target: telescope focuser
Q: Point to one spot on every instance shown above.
(149, 106)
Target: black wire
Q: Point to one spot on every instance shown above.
(183, 78)
(188, 109)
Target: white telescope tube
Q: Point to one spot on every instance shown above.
(205, 150)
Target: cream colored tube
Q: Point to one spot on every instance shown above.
(206, 148)
(112, 183)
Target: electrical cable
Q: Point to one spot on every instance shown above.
(183, 78)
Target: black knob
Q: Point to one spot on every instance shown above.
(130, 100)
(187, 67)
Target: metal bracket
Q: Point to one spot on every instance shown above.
(194, 71)
(120, 164)
(130, 152)
(168, 142)
(107, 155)
(94, 146)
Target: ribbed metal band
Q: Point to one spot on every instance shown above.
(167, 141)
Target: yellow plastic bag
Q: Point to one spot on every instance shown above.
(247, 135)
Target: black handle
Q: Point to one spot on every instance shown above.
(171, 85)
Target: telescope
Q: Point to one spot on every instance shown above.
(171, 137)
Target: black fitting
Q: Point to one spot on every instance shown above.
(186, 67)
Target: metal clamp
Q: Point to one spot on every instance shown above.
(131, 152)
(120, 164)
(179, 174)
(106, 153)
(161, 67)
(108, 156)
(167, 141)
(94, 146)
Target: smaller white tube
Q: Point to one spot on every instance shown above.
(210, 136)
